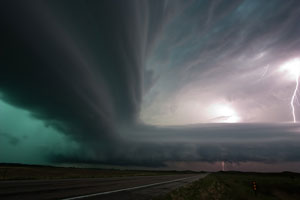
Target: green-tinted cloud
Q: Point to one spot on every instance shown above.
(25, 139)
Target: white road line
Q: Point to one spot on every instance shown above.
(125, 189)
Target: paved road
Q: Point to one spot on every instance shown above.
(139, 187)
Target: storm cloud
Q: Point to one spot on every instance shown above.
(143, 83)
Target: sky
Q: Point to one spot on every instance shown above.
(198, 84)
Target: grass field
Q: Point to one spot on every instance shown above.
(238, 185)
(25, 172)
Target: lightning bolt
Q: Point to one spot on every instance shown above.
(295, 97)
(292, 67)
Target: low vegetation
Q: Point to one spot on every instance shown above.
(238, 185)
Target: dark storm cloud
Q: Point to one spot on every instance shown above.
(87, 67)
(76, 66)
(44, 74)
(154, 146)
(228, 142)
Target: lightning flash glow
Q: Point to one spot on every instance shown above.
(223, 166)
(293, 69)
(222, 113)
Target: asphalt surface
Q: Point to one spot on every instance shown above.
(125, 188)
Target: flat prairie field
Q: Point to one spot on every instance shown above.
(240, 185)
(37, 172)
